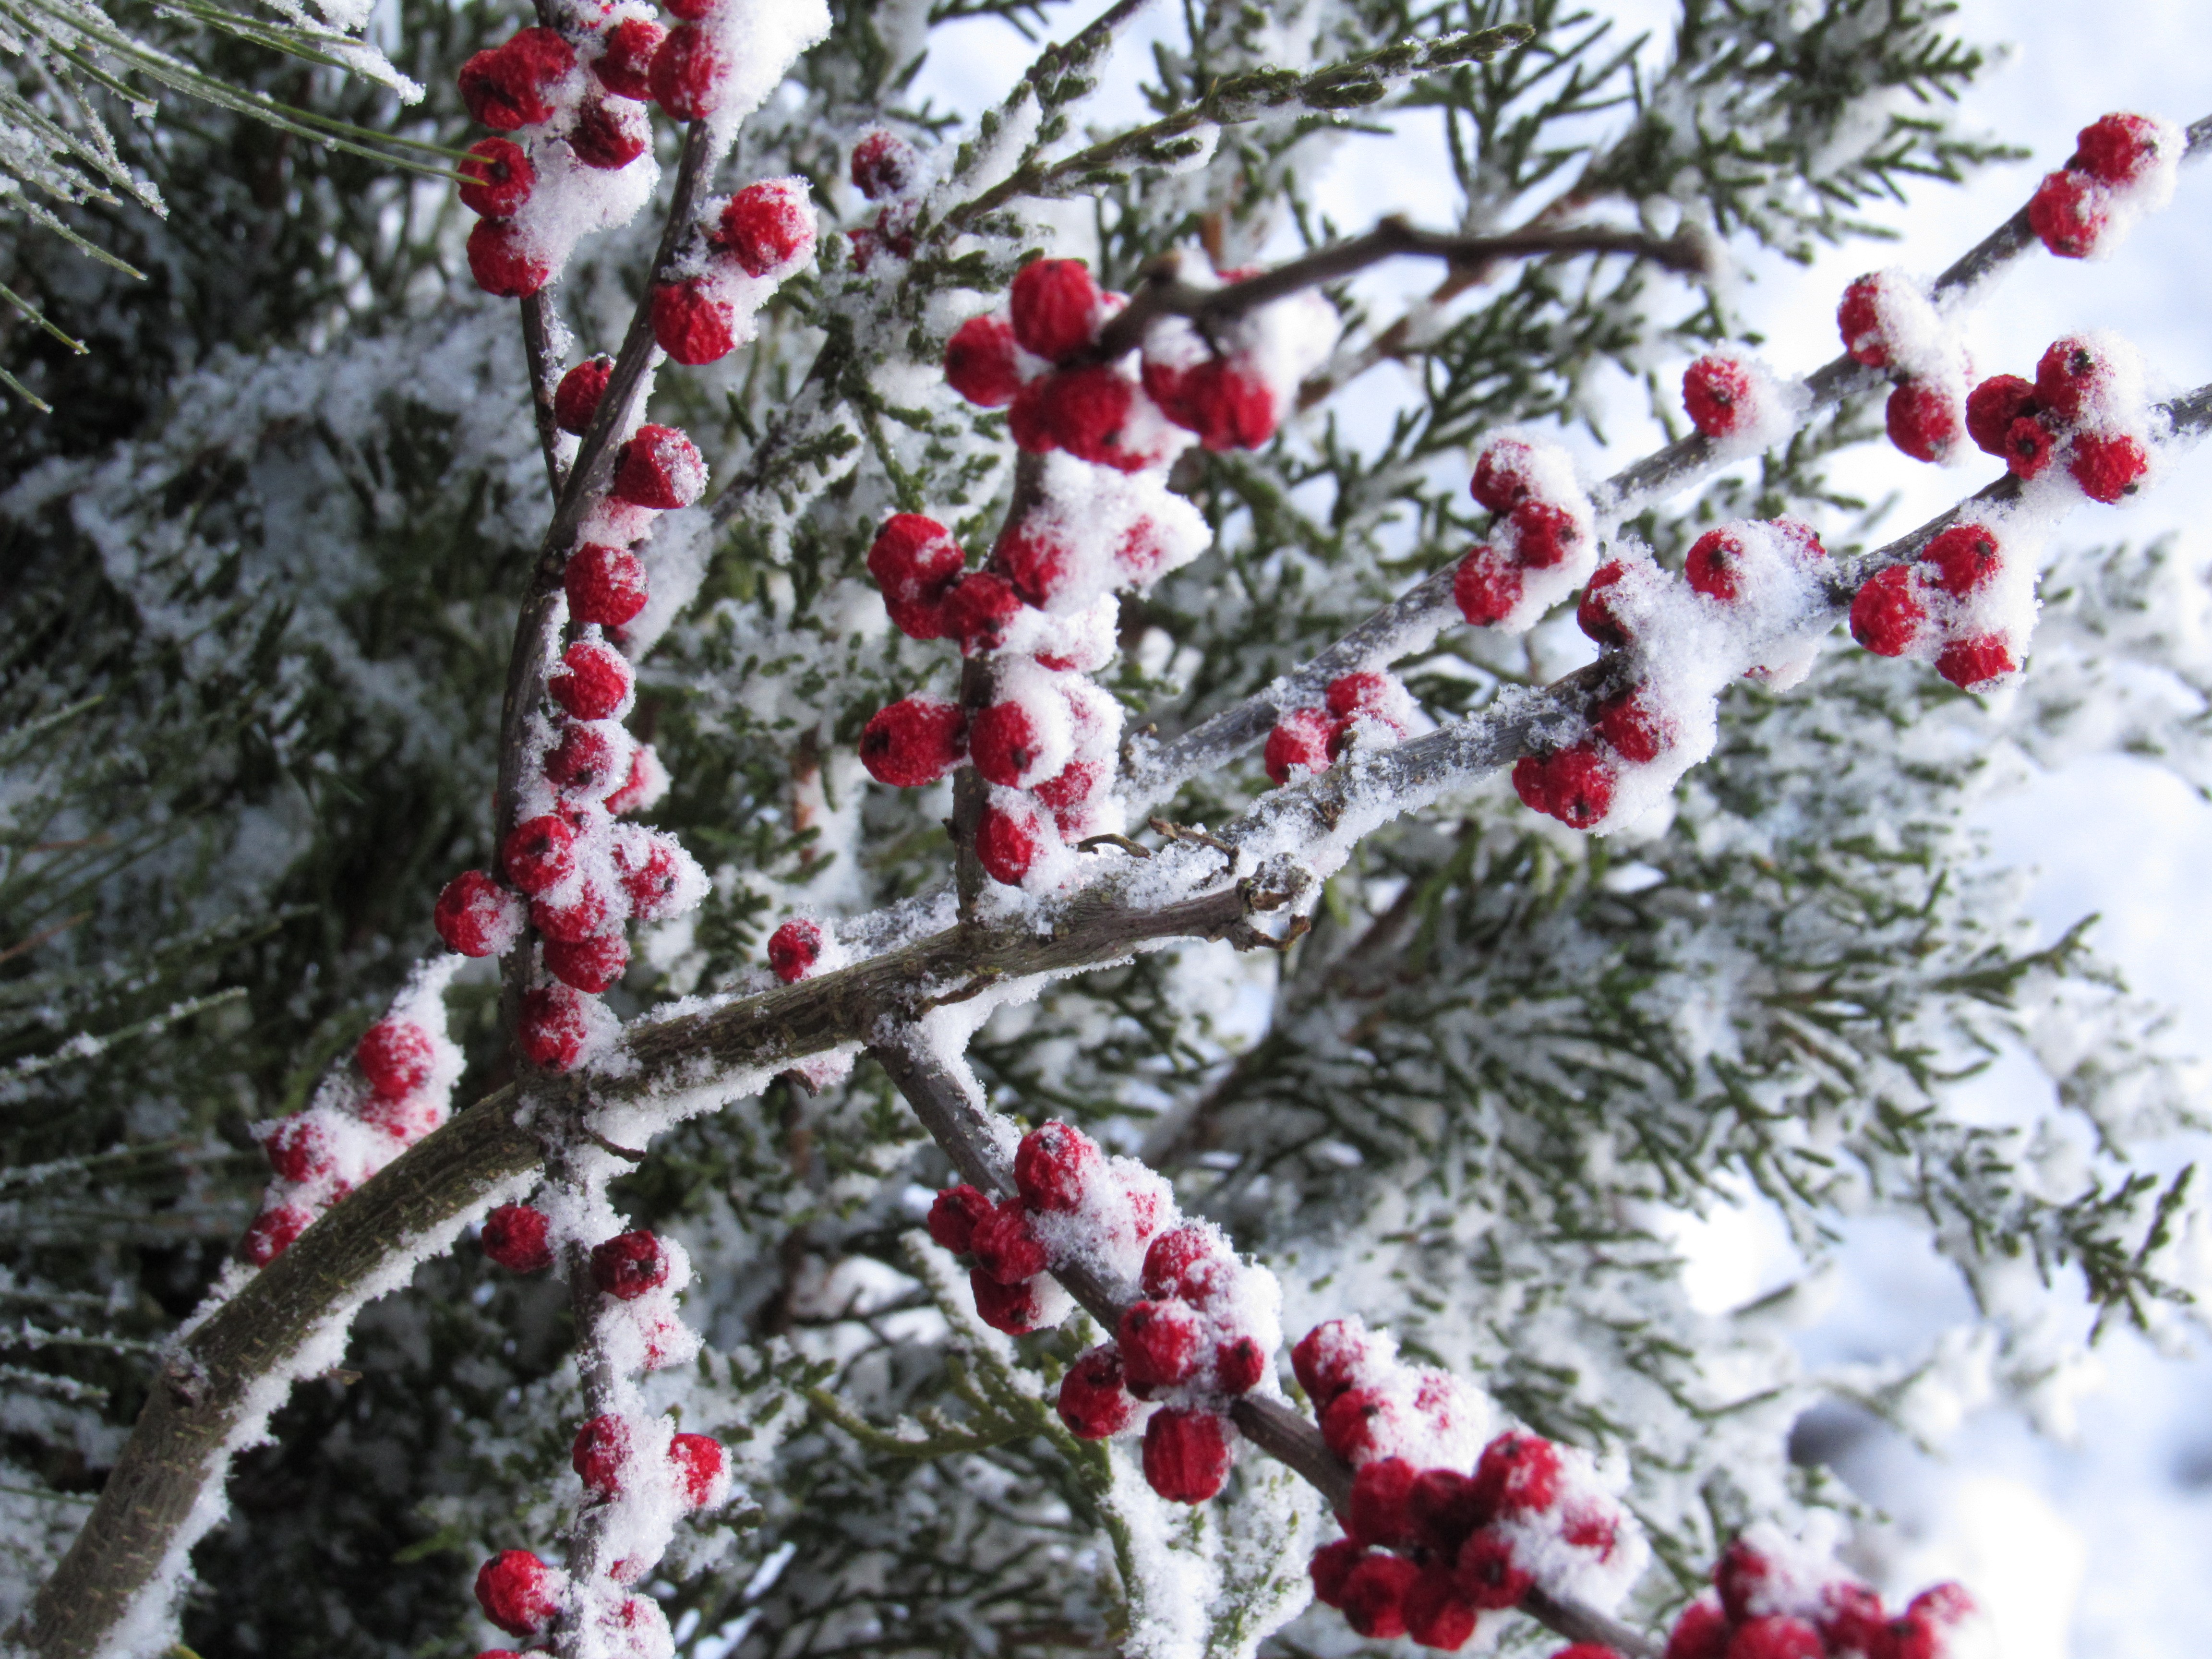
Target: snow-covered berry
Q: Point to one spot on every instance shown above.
(1008, 744)
(1093, 1402)
(1886, 613)
(503, 262)
(1092, 413)
(272, 1232)
(518, 1238)
(1976, 662)
(629, 1265)
(539, 854)
(576, 399)
(475, 916)
(647, 783)
(1715, 565)
(1005, 1245)
(767, 226)
(1184, 1264)
(1573, 785)
(625, 68)
(1186, 1454)
(915, 562)
(2071, 374)
(1718, 394)
(884, 164)
(1373, 1596)
(500, 178)
(692, 324)
(2118, 149)
(1007, 844)
(1742, 1573)
(915, 741)
(590, 964)
(396, 1057)
(979, 362)
(658, 875)
(2108, 465)
(509, 86)
(517, 1591)
(1013, 1309)
(1358, 1422)
(979, 609)
(553, 1027)
(1633, 727)
(1376, 1512)
(658, 468)
(2069, 213)
(1597, 615)
(1860, 319)
(686, 77)
(1544, 535)
(1487, 1575)
(1035, 557)
(606, 585)
(598, 1453)
(1923, 420)
(1239, 1365)
(1299, 743)
(609, 133)
(1850, 1620)
(593, 681)
(953, 1215)
(1504, 475)
(1056, 307)
(1487, 586)
(1965, 558)
(794, 949)
(1160, 1344)
(1518, 1473)
(1054, 1165)
(299, 1150)
(1328, 1360)
(581, 912)
(701, 1468)
(1993, 406)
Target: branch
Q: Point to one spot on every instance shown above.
(544, 366)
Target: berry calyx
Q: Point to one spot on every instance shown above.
(794, 949)
(1054, 1165)
(1717, 392)
(591, 962)
(625, 68)
(629, 1265)
(660, 469)
(518, 1238)
(1993, 406)
(767, 226)
(954, 1216)
(1093, 1402)
(606, 585)
(553, 1027)
(539, 854)
(516, 1591)
(593, 681)
(2108, 467)
(475, 916)
(1965, 558)
(396, 1056)
(1923, 420)
(1055, 307)
(979, 362)
(576, 399)
(915, 741)
(1886, 613)
(691, 324)
(1186, 1454)
(884, 164)
(500, 178)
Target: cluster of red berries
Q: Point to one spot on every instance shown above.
(2121, 166)
(1770, 1600)
(760, 236)
(1939, 607)
(570, 870)
(1198, 1334)
(570, 117)
(886, 168)
(1368, 706)
(393, 1093)
(1542, 542)
(2085, 408)
(1728, 395)
(1889, 322)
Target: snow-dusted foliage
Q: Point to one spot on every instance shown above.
(954, 533)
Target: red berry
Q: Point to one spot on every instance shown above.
(1184, 1264)
(794, 949)
(1975, 662)
(693, 11)
(1365, 693)
(980, 363)
(1006, 844)
(1886, 612)
(1035, 558)
(1717, 392)
(1374, 1594)
(629, 1265)
(1597, 616)
(915, 741)
(954, 1216)
(1067, 792)
(573, 919)
(608, 136)
(500, 176)
(653, 874)
(1227, 406)
(660, 469)
(1701, 1632)
(553, 1027)
(1543, 535)
(2070, 373)
(883, 164)
(576, 399)
(1092, 1401)
(1327, 1360)
(700, 1462)
(2106, 467)
(767, 226)
(1160, 1344)
(1739, 1575)
(606, 585)
(1850, 1620)
(406, 1120)
(2117, 149)
(517, 1237)
(692, 326)
(1443, 1507)
(686, 75)
(396, 1056)
(1924, 420)
(1376, 1512)
(1638, 732)
(271, 1232)
(1487, 586)
(916, 563)
(503, 262)
(1518, 1473)
(1359, 1423)
(1013, 1309)
(590, 964)
(1776, 1638)
(1437, 1614)
(505, 87)
(475, 916)
(1859, 319)
(588, 761)
(2028, 447)
(1993, 406)
(298, 1150)
(1004, 743)
(539, 853)
(600, 1449)
(1964, 557)
(2067, 212)
(1090, 410)
(1028, 417)
(1331, 1565)
(625, 68)
(1238, 1366)
(1056, 307)
(1577, 784)
(1487, 1575)
(1503, 475)
(645, 784)
(1299, 742)
(593, 681)
(516, 1591)
(1005, 1246)
(1054, 1164)
(1186, 1454)
(978, 609)
(1715, 567)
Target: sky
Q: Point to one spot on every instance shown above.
(2099, 1547)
